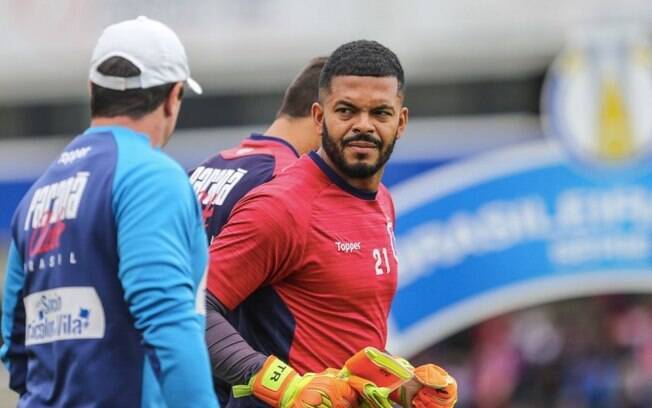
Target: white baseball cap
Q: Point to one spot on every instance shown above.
(148, 44)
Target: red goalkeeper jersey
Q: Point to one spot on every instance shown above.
(308, 263)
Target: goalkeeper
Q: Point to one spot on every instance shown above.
(303, 274)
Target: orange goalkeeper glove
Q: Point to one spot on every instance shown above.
(379, 376)
(431, 387)
(374, 375)
(278, 385)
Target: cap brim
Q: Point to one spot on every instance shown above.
(194, 85)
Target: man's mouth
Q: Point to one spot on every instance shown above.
(361, 144)
(361, 147)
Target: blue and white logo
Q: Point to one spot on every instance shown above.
(597, 98)
(68, 313)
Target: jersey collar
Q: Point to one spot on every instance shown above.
(258, 136)
(341, 183)
(116, 130)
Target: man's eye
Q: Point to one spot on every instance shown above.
(343, 110)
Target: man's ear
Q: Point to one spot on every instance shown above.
(173, 100)
(402, 121)
(317, 112)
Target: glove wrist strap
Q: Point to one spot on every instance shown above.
(270, 383)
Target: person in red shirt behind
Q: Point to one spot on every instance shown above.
(224, 178)
(308, 259)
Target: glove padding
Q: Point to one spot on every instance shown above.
(375, 374)
(431, 387)
(279, 385)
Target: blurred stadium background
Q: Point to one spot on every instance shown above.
(521, 323)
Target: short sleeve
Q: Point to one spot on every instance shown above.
(260, 245)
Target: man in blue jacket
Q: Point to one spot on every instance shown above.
(104, 287)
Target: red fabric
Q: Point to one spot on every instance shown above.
(285, 233)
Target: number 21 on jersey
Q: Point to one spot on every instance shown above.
(382, 261)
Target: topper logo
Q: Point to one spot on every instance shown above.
(348, 247)
(71, 156)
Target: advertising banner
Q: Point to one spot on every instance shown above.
(561, 217)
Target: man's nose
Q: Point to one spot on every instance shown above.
(363, 123)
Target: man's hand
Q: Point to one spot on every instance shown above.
(431, 387)
(375, 374)
(278, 385)
(378, 376)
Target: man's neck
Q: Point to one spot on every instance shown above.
(145, 125)
(366, 184)
(296, 131)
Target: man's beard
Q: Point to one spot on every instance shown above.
(358, 170)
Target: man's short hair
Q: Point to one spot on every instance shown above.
(362, 58)
(134, 103)
(303, 91)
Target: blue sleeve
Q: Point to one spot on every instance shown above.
(13, 351)
(157, 220)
